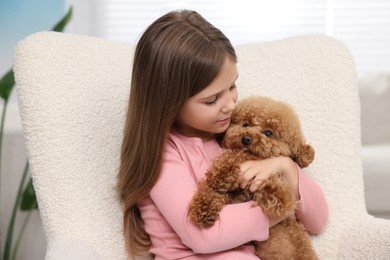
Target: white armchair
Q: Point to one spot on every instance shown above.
(73, 93)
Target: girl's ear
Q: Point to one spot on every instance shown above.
(304, 155)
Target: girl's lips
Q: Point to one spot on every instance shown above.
(224, 120)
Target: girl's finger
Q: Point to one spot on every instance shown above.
(247, 177)
(254, 186)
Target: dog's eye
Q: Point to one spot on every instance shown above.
(245, 125)
(267, 133)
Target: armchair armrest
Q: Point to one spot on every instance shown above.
(66, 248)
(365, 238)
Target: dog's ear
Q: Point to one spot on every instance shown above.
(220, 137)
(304, 155)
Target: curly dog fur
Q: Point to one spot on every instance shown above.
(261, 127)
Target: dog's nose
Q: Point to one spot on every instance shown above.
(246, 140)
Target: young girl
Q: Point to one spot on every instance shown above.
(182, 95)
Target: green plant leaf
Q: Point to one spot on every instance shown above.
(7, 82)
(59, 27)
(29, 199)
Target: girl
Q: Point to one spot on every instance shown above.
(182, 95)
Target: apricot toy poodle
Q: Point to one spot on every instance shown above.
(260, 128)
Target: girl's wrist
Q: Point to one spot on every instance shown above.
(290, 169)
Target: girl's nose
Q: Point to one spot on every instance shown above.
(229, 105)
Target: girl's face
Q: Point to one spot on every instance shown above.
(208, 112)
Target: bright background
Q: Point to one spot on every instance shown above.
(364, 25)
(19, 18)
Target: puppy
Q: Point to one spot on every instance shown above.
(261, 128)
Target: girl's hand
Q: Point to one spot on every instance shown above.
(253, 173)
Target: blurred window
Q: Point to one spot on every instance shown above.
(364, 25)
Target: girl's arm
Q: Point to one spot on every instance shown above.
(237, 223)
(312, 206)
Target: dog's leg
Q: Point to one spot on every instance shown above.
(301, 240)
(287, 240)
(223, 175)
(278, 246)
(275, 197)
(206, 205)
(213, 193)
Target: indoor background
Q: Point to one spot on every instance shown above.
(363, 25)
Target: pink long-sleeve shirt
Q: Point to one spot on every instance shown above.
(172, 233)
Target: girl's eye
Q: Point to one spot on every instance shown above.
(213, 102)
(267, 133)
(245, 125)
(233, 87)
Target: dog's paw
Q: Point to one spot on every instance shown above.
(205, 207)
(276, 197)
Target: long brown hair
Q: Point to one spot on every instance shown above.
(177, 56)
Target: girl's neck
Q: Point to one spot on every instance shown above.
(203, 136)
